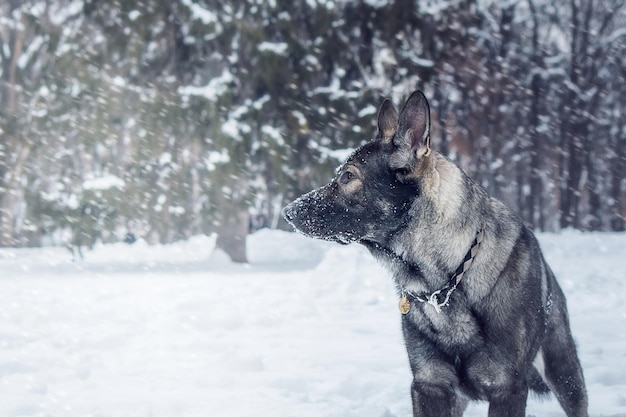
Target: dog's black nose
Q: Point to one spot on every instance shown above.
(288, 213)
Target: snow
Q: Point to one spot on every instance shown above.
(105, 182)
(216, 158)
(274, 134)
(307, 328)
(367, 111)
(302, 121)
(213, 90)
(234, 128)
(134, 15)
(278, 48)
(376, 4)
(197, 12)
(30, 52)
(59, 14)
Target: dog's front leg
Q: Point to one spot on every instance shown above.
(510, 403)
(435, 380)
(431, 400)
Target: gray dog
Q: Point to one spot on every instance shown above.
(483, 316)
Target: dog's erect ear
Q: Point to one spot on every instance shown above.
(387, 120)
(413, 133)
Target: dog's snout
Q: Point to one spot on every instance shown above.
(288, 213)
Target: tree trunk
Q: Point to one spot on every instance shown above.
(10, 191)
(618, 220)
(232, 234)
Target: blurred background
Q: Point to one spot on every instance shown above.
(167, 119)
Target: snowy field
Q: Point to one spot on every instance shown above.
(308, 328)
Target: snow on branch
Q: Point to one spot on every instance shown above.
(213, 90)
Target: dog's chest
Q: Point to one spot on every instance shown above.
(451, 329)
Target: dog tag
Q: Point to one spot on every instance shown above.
(404, 304)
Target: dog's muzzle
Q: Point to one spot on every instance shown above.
(289, 214)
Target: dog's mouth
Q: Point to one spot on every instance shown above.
(344, 240)
(308, 226)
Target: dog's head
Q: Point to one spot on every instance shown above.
(372, 192)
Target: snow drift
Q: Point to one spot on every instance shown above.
(308, 328)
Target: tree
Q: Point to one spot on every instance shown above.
(207, 118)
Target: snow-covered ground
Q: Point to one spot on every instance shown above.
(308, 328)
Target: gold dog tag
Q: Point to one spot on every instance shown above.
(404, 304)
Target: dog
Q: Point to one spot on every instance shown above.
(483, 316)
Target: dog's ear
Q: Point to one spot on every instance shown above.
(387, 120)
(413, 135)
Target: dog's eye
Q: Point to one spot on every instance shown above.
(403, 172)
(346, 177)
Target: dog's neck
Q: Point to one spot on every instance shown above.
(392, 260)
(406, 274)
(414, 277)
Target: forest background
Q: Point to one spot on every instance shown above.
(186, 117)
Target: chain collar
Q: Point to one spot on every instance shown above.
(451, 285)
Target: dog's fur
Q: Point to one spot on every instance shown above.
(505, 329)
